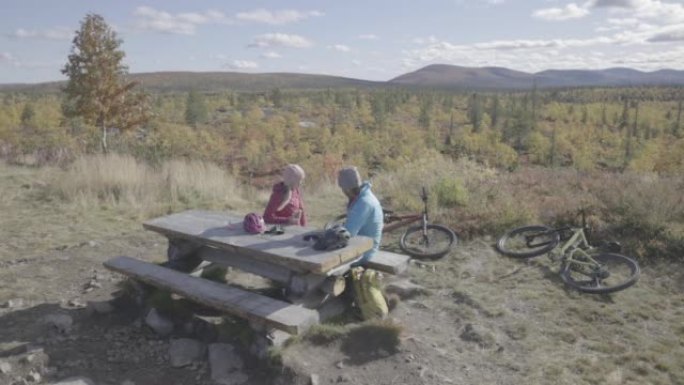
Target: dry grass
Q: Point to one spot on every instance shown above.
(120, 181)
(551, 334)
(644, 211)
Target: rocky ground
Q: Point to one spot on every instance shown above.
(474, 318)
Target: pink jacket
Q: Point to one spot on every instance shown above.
(284, 215)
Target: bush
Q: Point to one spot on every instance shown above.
(450, 192)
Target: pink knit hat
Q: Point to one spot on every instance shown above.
(292, 174)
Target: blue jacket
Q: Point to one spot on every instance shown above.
(364, 217)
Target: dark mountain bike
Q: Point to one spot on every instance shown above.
(422, 241)
(584, 267)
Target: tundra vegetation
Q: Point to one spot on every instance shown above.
(492, 160)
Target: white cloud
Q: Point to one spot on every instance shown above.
(60, 33)
(668, 36)
(369, 36)
(340, 47)
(630, 4)
(271, 55)
(276, 17)
(570, 11)
(6, 57)
(280, 40)
(426, 40)
(356, 62)
(495, 2)
(242, 65)
(151, 19)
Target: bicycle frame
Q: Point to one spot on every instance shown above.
(393, 222)
(576, 244)
(403, 220)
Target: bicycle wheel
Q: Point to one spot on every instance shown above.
(338, 220)
(436, 243)
(613, 272)
(528, 241)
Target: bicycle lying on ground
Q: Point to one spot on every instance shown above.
(584, 267)
(422, 241)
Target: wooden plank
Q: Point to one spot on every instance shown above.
(277, 314)
(388, 262)
(277, 273)
(224, 231)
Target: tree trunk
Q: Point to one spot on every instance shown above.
(103, 127)
(679, 118)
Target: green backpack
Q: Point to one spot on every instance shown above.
(367, 293)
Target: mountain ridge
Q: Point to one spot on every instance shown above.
(441, 76)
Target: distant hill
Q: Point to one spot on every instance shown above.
(219, 81)
(450, 76)
(433, 76)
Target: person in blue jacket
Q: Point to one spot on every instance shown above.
(364, 212)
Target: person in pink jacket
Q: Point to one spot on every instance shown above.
(285, 205)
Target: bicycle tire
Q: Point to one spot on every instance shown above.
(504, 247)
(338, 220)
(447, 244)
(622, 272)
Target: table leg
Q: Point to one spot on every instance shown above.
(182, 255)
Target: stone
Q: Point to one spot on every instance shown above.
(478, 334)
(61, 323)
(100, 307)
(340, 365)
(259, 346)
(75, 381)
(405, 289)
(159, 324)
(185, 351)
(28, 359)
(314, 379)
(5, 367)
(128, 382)
(343, 378)
(226, 364)
(33, 376)
(13, 303)
(76, 303)
(277, 338)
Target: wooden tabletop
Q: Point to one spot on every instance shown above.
(224, 231)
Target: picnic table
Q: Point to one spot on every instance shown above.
(312, 279)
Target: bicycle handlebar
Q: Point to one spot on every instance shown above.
(423, 194)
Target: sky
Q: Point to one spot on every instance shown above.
(371, 39)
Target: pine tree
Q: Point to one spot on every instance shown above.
(195, 109)
(27, 115)
(475, 112)
(97, 90)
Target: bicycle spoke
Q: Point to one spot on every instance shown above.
(603, 273)
(529, 243)
(426, 243)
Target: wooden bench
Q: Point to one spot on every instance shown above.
(274, 313)
(388, 262)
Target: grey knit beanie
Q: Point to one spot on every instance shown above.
(348, 178)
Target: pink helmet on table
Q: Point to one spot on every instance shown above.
(254, 223)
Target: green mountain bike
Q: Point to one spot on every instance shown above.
(586, 268)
